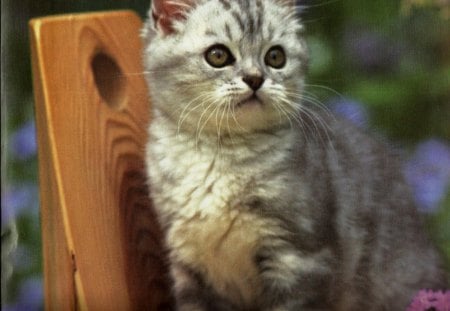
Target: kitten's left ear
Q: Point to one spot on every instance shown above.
(165, 12)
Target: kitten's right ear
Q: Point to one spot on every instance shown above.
(165, 12)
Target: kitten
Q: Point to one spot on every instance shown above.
(267, 204)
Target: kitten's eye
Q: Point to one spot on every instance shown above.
(219, 56)
(275, 57)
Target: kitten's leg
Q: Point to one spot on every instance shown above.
(192, 294)
(295, 281)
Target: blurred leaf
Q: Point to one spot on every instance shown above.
(380, 92)
(321, 55)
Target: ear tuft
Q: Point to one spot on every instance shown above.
(165, 12)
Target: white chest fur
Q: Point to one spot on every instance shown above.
(210, 228)
(223, 249)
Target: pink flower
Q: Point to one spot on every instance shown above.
(428, 300)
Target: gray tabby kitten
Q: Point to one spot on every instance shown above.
(267, 204)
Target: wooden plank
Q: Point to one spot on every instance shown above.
(57, 265)
(102, 248)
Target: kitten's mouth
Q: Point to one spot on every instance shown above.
(253, 100)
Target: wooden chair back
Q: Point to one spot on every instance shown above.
(101, 244)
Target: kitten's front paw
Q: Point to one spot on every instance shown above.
(294, 281)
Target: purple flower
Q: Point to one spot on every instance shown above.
(23, 141)
(31, 296)
(350, 110)
(428, 173)
(31, 293)
(17, 200)
(371, 51)
(430, 300)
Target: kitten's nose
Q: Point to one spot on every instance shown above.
(254, 82)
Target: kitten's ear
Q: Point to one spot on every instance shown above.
(165, 12)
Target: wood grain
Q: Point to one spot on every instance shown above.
(101, 242)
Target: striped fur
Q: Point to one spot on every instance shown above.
(269, 204)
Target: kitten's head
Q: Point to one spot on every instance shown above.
(225, 66)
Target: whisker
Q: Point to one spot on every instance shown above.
(229, 112)
(233, 114)
(218, 126)
(306, 6)
(326, 88)
(200, 127)
(280, 110)
(305, 96)
(316, 119)
(183, 115)
(310, 114)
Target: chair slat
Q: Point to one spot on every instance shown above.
(101, 243)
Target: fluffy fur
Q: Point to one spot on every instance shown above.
(267, 203)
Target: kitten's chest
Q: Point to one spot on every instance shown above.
(211, 228)
(204, 202)
(190, 182)
(222, 248)
(217, 235)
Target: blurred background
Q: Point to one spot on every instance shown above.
(384, 65)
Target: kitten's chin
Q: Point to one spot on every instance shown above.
(251, 102)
